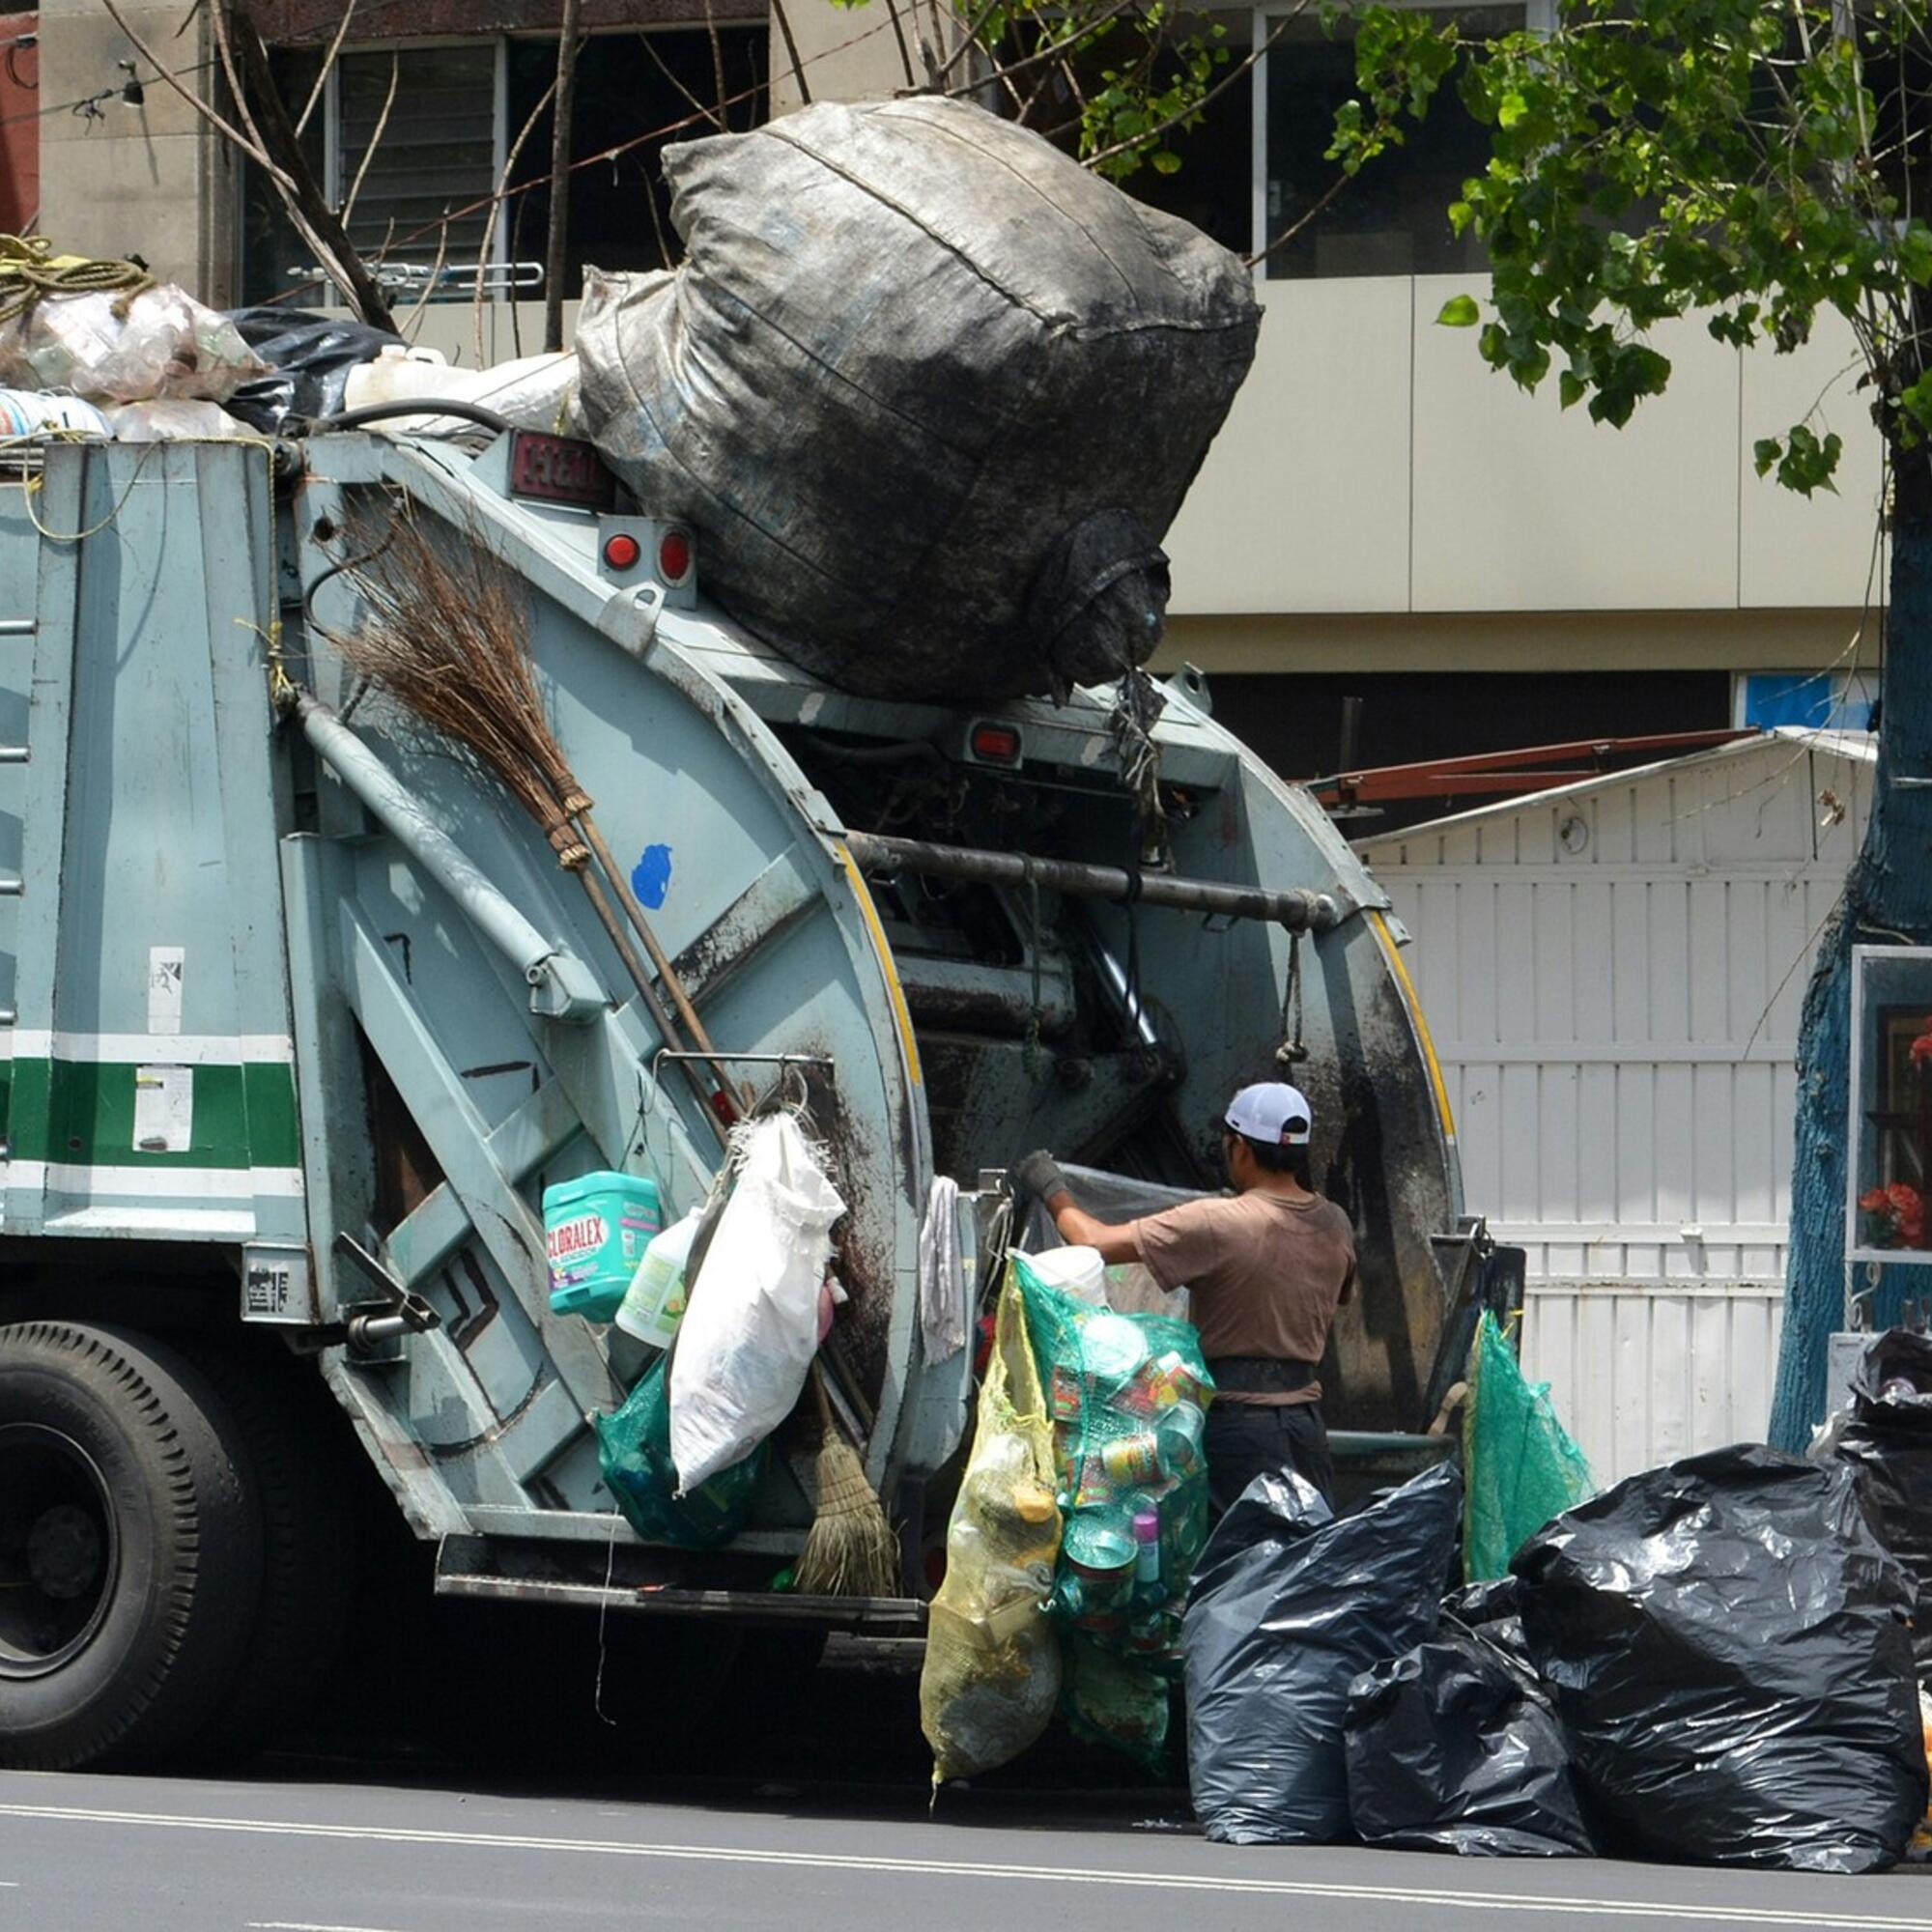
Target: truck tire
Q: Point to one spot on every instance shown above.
(297, 1477)
(130, 1554)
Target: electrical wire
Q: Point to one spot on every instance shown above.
(88, 101)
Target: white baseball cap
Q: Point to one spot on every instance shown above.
(1273, 1113)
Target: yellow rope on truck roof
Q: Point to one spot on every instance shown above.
(30, 269)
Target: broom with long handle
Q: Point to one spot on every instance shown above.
(445, 640)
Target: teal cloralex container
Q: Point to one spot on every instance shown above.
(596, 1230)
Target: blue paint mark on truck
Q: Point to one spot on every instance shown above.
(650, 879)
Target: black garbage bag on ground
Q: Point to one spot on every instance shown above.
(1492, 1609)
(1726, 1645)
(1450, 1748)
(312, 356)
(1289, 1608)
(930, 391)
(1889, 1442)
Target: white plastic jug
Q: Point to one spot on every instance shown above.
(654, 1304)
(1076, 1271)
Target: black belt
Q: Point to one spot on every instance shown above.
(1260, 1374)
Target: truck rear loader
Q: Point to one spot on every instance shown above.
(300, 1016)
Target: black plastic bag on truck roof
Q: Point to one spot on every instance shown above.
(1888, 1440)
(1450, 1748)
(930, 391)
(312, 356)
(1726, 1645)
(1289, 1608)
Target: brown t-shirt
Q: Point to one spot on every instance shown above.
(1263, 1275)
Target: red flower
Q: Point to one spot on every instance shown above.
(1921, 1047)
(1905, 1200)
(1873, 1202)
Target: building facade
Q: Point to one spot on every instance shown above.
(1381, 517)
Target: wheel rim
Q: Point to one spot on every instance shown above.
(58, 1555)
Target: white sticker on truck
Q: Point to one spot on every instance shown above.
(163, 1109)
(167, 967)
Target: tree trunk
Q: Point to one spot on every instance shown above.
(1887, 900)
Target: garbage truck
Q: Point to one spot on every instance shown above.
(299, 1017)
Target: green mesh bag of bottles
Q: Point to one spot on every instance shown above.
(1128, 1396)
(1521, 1468)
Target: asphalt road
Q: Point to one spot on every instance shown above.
(89, 1854)
(797, 1815)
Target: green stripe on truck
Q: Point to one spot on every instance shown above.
(82, 1113)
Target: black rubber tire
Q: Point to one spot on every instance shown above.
(182, 1589)
(298, 1479)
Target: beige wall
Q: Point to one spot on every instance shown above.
(1375, 465)
(140, 179)
(850, 53)
(1527, 640)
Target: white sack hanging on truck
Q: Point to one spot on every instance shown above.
(931, 392)
(751, 1326)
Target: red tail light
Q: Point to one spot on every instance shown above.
(674, 556)
(621, 551)
(995, 744)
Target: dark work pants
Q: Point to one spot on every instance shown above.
(1246, 1439)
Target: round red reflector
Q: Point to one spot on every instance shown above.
(621, 551)
(674, 556)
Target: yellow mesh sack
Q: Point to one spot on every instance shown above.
(991, 1677)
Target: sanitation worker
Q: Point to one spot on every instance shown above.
(1265, 1270)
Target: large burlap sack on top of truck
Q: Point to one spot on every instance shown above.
(931, 392)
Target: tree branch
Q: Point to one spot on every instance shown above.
(556, 243)
(375, 141)
(328, 64)
(510, 160)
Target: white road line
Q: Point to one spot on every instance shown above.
(303, 1926)
(1835, 1920)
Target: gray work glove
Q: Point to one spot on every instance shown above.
(1038, 1175)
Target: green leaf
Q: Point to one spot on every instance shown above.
(1165, 161)
(1766, 451)
(1459, 312)
(1570, 388)
(1511, 110)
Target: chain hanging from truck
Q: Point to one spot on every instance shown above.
(1293, 1049)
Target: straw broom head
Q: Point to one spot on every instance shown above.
(850, 1550)
(443, 636)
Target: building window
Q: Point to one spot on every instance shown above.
(451, 114)
(1890, 1169)
(1392, 219)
